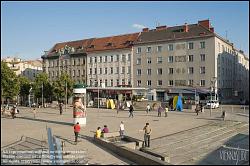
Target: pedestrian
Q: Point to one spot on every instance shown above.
(122, 129)
(166, 111)
(98, 132)
(159, 110)
(223, 115)
(60, 108)
(118, 107)
(197, 109)
(148, 108)
(147, 132)
(13, 112)
(34, 113)
(77, 129)
(131, 110)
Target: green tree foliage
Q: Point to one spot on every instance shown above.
(59, 86)
(24, 84)
(9, 82)
(42, 84)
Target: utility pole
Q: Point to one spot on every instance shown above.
(65, 96)
(42, 96)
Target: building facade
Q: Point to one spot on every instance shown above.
(165, 60)
(28, 69)
(185, 57)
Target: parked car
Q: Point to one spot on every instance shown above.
(212, 104)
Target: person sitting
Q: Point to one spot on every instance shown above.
(98, 132)
(105, 129)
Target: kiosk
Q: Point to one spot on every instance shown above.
(79, 104)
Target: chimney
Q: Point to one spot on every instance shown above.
(161, 27)
(212, 29)
(186, 27)
(145, 30)
(205, 23)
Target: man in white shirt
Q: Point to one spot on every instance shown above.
(148, 108)
(121, 129)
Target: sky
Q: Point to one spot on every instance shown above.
(30, 28)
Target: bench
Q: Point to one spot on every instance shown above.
(111, 134)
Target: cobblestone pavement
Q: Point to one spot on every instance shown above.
(61, 125)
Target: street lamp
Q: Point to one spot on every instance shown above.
(42, 96)
(213, 80)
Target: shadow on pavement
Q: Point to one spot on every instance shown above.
(72, 142)
(47, 121)
(216, 118)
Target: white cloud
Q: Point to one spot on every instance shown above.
(138, 26)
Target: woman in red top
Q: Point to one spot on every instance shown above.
(77, 129)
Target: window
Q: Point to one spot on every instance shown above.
(138, 61)
(74, 72)
(159, 60)
(75, 62)
(90, 60)
(190, 58)
(170, 70)
(117, 58)
(138, 82)
(83, 72)
(123, 81)
(202, 57)
(223, 48)
(111, 58)
(170, 59)
(149, 83)
(123, 70)
(95, 60)
(149, 60)
(170, 83)
(159, 48)
(105, 70)
(90, 72)
(159, 71)
(190, 46)
(129, 82)
(111, 82)
(138, 72)
(148, 49)
(170, 47)
(106, 59)
(202, 70)
(202, 44)
(100, 70)
(79, 73)
(123, 58)
(202, 82)
(159, 83)
(95, 71)
(190, 70)
(111, 70)
(117, 70)
(129, 70)
(106, 82)
(138, 50)
(129, 57)
(149, 71)
(219, 47)
(117, 82)
(190, 82)
(100, 59)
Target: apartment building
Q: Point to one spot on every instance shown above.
(109, 60)
(28, 68)
(68, 57)
(169, 59)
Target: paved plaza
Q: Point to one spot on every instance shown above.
(26, 125)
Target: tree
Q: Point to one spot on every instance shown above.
(59, 86)
(9, 82)
(42, 85)
(25, 86)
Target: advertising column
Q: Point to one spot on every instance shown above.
(79, 104)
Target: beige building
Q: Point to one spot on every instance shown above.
(110, 60)
(171, 59)
(28, 69)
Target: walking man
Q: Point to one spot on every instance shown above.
(148, 108)
(147, 132)
(159, 110)
(122, 129)
(131, 110)
(60, 108)
(77, 129)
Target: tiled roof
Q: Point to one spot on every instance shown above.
(174, 33)
(112, 42)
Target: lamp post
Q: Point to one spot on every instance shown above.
(42, 96)
(65, 96)
(213, 80)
